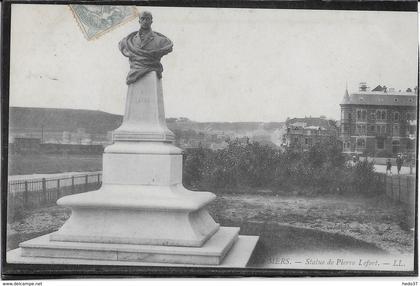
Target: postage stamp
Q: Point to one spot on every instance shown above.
(96, 20)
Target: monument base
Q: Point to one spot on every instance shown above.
(224, 249)
(142, 213)
(138, 214)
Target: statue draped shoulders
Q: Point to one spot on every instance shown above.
(122, 45)
(144, 56)
(163, 38)
(156, 43)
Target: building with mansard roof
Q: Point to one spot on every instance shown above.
(380, 122)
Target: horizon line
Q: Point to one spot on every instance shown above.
(98, 110)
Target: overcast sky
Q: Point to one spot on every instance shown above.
(227, 64)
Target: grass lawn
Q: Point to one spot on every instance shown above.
(285, 224)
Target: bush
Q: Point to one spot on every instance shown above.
(193, 167)
(363, 177)
(238, 165)
(244, 166)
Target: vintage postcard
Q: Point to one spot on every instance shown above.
(233, 138)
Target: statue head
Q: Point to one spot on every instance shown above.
(145, 20)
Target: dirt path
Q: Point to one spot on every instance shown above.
(373, 220)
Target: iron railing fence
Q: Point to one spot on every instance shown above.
(33, 193)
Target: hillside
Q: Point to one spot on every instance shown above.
(57, 119)
(99, 122)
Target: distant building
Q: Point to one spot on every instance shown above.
(194, 143)
(219, 146)
(25, 145)
(304, 137)
(380, 122)
(303, 133)
(28, 145)
(86, 149)
(321, 121)
(66, 137)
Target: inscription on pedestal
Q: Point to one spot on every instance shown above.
(142, 99)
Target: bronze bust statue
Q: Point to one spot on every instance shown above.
(144, 48)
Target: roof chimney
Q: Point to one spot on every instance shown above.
(362, 86)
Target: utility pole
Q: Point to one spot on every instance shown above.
(42, 133)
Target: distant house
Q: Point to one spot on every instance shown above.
(194, 143)
(303, 133)
(380, 122)
(218, 146)
(87, 149)
(25, 145)
(303, 138)
(321, 121)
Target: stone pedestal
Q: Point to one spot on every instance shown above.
(142, 213)
(144, 118)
